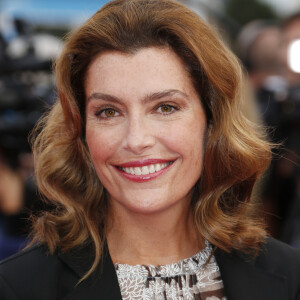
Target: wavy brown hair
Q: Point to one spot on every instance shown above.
(236, 152)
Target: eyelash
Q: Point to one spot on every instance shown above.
(103, 110)
(173, 107)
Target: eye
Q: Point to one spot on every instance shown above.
(166, 109)
(107, 113)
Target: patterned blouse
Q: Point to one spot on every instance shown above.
(190, 278)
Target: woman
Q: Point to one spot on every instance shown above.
(150, 166)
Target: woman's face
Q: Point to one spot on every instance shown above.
(145, 128)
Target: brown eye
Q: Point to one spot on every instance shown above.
(109, 112)
(166, 109)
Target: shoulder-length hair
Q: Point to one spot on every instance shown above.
(236, 154)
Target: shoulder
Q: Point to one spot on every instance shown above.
(31, 274)
(283, 261)
(29, 260)
(272, 254)
(32, 253)
(273, 274)
(278, 247)
(279, 257)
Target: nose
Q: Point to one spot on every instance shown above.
(139, 136)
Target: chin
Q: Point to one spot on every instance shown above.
(148, 206)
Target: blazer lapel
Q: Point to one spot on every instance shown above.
(101, 285)
(243, 279)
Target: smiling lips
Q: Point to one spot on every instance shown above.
(140, 171)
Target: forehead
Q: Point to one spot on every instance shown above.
(146, 71)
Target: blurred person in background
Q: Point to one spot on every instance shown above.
(26, 88)
(291, 34)
(17, 197)
(262, 46)
(291, 125)
(258, 45)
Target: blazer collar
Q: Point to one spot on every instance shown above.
(101, 285)
(244, 278)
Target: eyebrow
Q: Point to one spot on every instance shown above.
(147, 98)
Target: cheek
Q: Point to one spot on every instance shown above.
(188, 139)
(101, 146)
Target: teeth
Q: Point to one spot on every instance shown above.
(137, 171)
(158, 167)
(151, 169)
(145, 170)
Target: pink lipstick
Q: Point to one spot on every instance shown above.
(144, 170)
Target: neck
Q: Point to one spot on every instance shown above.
(156, 238)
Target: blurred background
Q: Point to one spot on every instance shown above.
(264, 34)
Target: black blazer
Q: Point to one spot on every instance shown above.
(34, 275)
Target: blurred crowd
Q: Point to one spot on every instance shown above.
(26, 92)
(270, 52)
